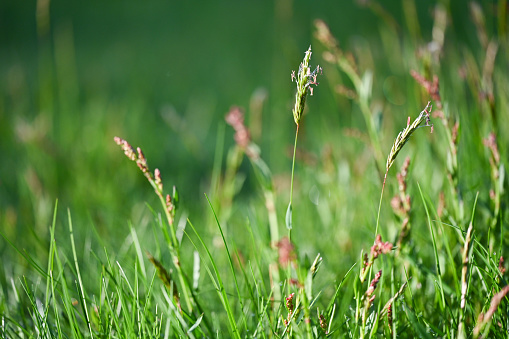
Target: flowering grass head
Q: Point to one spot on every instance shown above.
(422, 120)
(305, 79)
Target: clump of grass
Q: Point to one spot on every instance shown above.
(169, 204)
(365, 301)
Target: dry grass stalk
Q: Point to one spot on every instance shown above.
(485, 318)
(387, 310)
(464, 270)
(401, 204)
(497, 176)
(166, 278)
(464, 283)
(501, 267)
(389, 303)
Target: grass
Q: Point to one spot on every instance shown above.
(310, 249)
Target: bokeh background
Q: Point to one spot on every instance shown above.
(163, 74)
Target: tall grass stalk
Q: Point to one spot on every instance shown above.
(305, 79)
(422, 120)
(366, 271)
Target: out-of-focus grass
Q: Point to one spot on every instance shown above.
(163, 76)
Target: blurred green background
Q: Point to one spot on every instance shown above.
(162, 75)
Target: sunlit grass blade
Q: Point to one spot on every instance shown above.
(336, 293)
(51, 282)
(250, 290)
(139, 254)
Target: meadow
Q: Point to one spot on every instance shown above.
(254, 170)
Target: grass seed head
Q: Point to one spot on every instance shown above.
(403, 136)
(305, 79)
(491, 143)
(126, 147)
(158, 180)
(501, 267)
(323, 323)
(371, 289)
(483, 319)
(380, 247)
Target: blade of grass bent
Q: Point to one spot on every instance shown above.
(222, 291)
(229, 257)
(25, 255)
(331, 303)
(248, 286)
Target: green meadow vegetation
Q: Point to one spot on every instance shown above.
(285, 171)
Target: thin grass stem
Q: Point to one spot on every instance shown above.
(290, 207)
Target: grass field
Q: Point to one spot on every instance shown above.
(166, 174)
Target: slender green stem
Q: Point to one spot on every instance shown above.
(293, 171)
(289, 212)
(380, 204)
(307, 314)
(173, 246)
(370, 271)
(173, 242)
(378, 217)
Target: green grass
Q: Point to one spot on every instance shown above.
(333, 234)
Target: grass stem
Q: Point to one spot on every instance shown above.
(290, 207)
